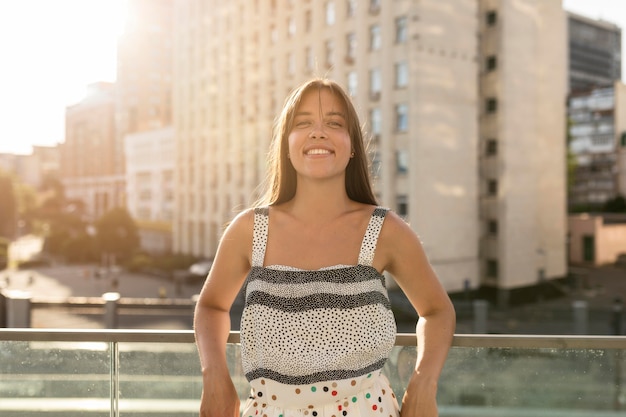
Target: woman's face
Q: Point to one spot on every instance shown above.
(319, 142)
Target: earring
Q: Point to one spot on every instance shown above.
(352, 155)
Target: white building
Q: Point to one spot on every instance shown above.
(150, 186)
(413, 68)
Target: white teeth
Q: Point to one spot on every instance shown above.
(317, 152)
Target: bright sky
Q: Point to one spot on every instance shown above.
(52, 49)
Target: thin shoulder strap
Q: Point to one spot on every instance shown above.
(368, 246)
(259, 237)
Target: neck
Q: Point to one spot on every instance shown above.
(320, 200)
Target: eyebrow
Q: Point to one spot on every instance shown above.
(330, 113)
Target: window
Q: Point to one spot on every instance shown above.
(330, 13)
(401, 30)
(308, 56)
(291, 64)
(491, 17)
(330, 46)
(375, 84)
(402, 74)
(375, 37)
(492, 187)
(402, 117)
(402, 205)
(291, 27)
(491, 63)
(374, 6)
(402, 161)
(376, 121)
(353, 82)
(492, 268)
(491, 105)
(492, 227)
(351, 8)
(351, 47)
(308, 21)
(623, 139)
(376, 162)
(492, 147)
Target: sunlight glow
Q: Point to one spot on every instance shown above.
(52, 49)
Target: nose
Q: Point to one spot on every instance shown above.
(317, 131)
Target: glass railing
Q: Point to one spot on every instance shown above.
(157, 373)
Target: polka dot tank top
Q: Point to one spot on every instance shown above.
(314, 339)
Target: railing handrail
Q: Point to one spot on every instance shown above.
(402, 339)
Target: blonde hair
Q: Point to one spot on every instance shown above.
(281, 181)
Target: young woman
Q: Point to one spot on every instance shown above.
(317, 325)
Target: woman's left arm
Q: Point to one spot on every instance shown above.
(407, 262)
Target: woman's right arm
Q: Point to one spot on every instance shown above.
(212, 316)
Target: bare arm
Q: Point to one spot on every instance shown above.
(407, 262)
(212, 317)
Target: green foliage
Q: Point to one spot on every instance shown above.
(79, 249)
(117, 234)
(615, 205)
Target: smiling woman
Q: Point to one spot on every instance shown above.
(51, 51)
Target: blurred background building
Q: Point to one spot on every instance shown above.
(470, 107)
(464, 102)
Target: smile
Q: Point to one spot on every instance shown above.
(318, 151)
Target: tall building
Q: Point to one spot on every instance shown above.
(150, 186)
(594, 53)
(144, 114)
(144, 68)
(597, 140)
(445, 148)
(88, 155)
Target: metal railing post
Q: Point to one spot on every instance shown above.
(110, 309)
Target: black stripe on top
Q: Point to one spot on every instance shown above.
(344, 275)
(317, 301)
(330, 375)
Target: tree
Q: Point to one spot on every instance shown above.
(117, 234)
(8, 206)
(615, 205)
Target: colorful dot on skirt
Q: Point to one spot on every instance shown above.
(353, 399)
(274, 397)
(334, 393)
(314, 413)
(368, 395)
(297, 390)
(374, 407)
(325, 389)
(313, 389)
(344, 412)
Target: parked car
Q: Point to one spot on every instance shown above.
(200, 269)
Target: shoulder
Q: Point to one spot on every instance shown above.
(241, 227)
(394, 227)
(397, 240)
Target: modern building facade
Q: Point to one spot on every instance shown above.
(595, 48)
(150, 186)
(88, 156)
(597, 141)
(139, 101)
(523, 90)
(412, 69)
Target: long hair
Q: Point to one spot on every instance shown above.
(281, 180)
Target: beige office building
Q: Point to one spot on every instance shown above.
(416, 72)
